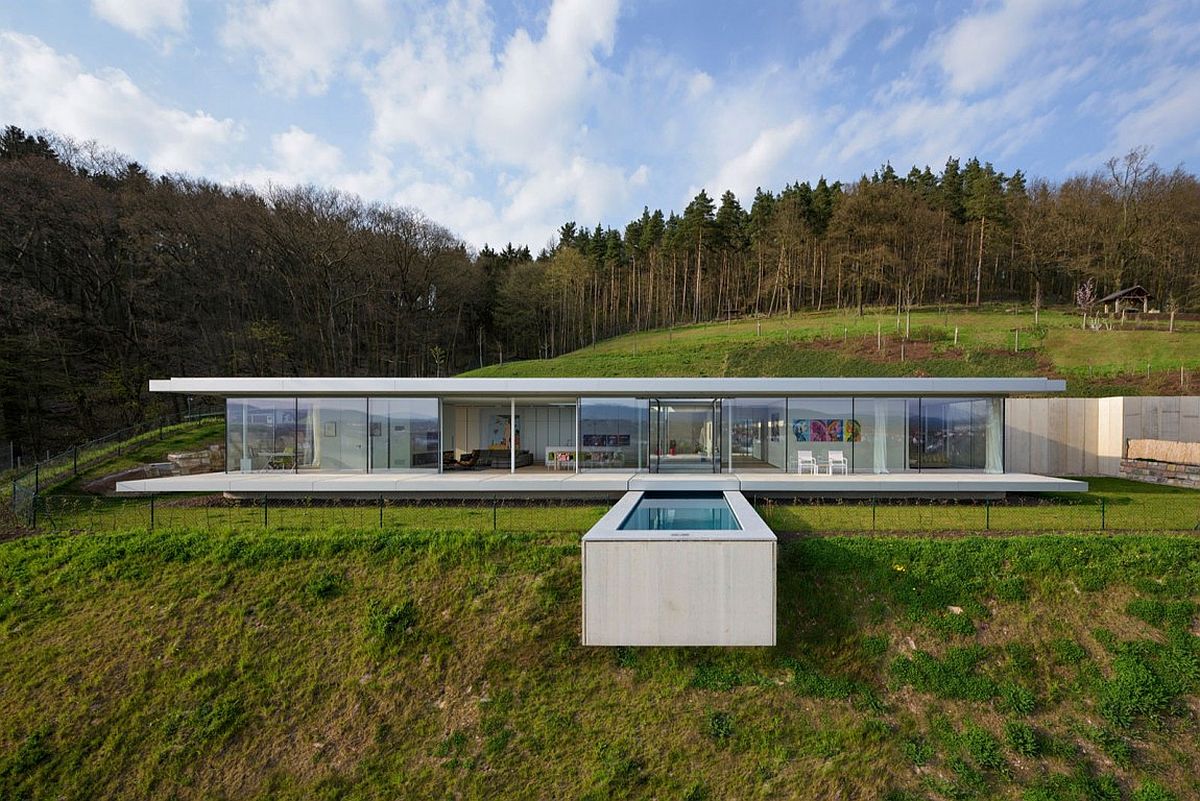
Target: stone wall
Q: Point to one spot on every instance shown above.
(1172, 474)
(1158, 450)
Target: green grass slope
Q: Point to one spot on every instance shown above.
(990, 342)
(340, 665)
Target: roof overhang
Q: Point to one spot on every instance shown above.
(607, 387)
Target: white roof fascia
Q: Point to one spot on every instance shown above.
(610, 387)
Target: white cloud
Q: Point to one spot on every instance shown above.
(979, 49)
(504, 119)
(143, 17)
(300, 44)
(41, 88)
(758, 165)
(1167, 116)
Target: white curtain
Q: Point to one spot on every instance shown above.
(880, 435)
(995, 436)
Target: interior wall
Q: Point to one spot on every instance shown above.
(470, 427)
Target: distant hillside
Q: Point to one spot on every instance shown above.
(992, 342)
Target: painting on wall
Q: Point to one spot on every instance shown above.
(502, 431)
(812, 430)
(605, 440)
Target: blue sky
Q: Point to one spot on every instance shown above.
(501, 122)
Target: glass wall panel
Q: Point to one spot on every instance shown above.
(686, 436)
(612, 433)
(883, 444)
(260, 434)
(546, 435)
(756, 435)
(403, 434)
(953, 433)
(331, 434)
(821, 426)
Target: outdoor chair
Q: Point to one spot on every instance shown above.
(837, 460)
(806, 461)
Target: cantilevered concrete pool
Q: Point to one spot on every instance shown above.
(679, 568)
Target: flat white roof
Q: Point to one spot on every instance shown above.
(611, 387)
(494, 482)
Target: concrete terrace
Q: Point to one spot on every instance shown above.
(568, 484)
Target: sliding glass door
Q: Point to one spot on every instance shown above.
(685, 436)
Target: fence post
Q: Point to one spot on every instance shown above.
(152, 513)
(1103, 515)
(987, 514)
(265, 497)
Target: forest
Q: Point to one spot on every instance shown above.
(111, 275)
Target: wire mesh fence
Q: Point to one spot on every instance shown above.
(23, 488)
(1016, 514)
(62, 513)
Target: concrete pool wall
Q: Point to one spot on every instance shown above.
(679, 587)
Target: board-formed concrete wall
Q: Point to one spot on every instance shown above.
(679, 592)
(1087, 436)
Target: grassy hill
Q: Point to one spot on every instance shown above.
(991, 342)
(341, 665)
(311, 661)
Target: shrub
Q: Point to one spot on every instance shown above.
(388, 625)
(1067, 652)
(1134, 690)
(811, 682)
(711, 676)
(918, 751)
(1021, 738)
(1011, 588)
(983, 747)
(1017, 699)
(720, 726)
(875, 646)
(326, 585)
(1163, 614)
(953, 677)
(1150, 790)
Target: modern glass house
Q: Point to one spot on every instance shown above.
(463, 434)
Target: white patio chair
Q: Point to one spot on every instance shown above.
(806, 460)
(837, 460)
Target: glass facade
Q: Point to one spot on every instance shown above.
(404, 434)
(882, 446)
(613, 433)
(331, 434)
(260, 434)
(818, 427)
(871, 435)
(956, 434)
(756, 434)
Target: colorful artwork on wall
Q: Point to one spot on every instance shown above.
(811, 430)
(501, 431)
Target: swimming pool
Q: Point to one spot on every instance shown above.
(673, 511)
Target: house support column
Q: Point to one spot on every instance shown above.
(512, 435)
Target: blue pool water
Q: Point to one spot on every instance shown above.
(692, 511)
